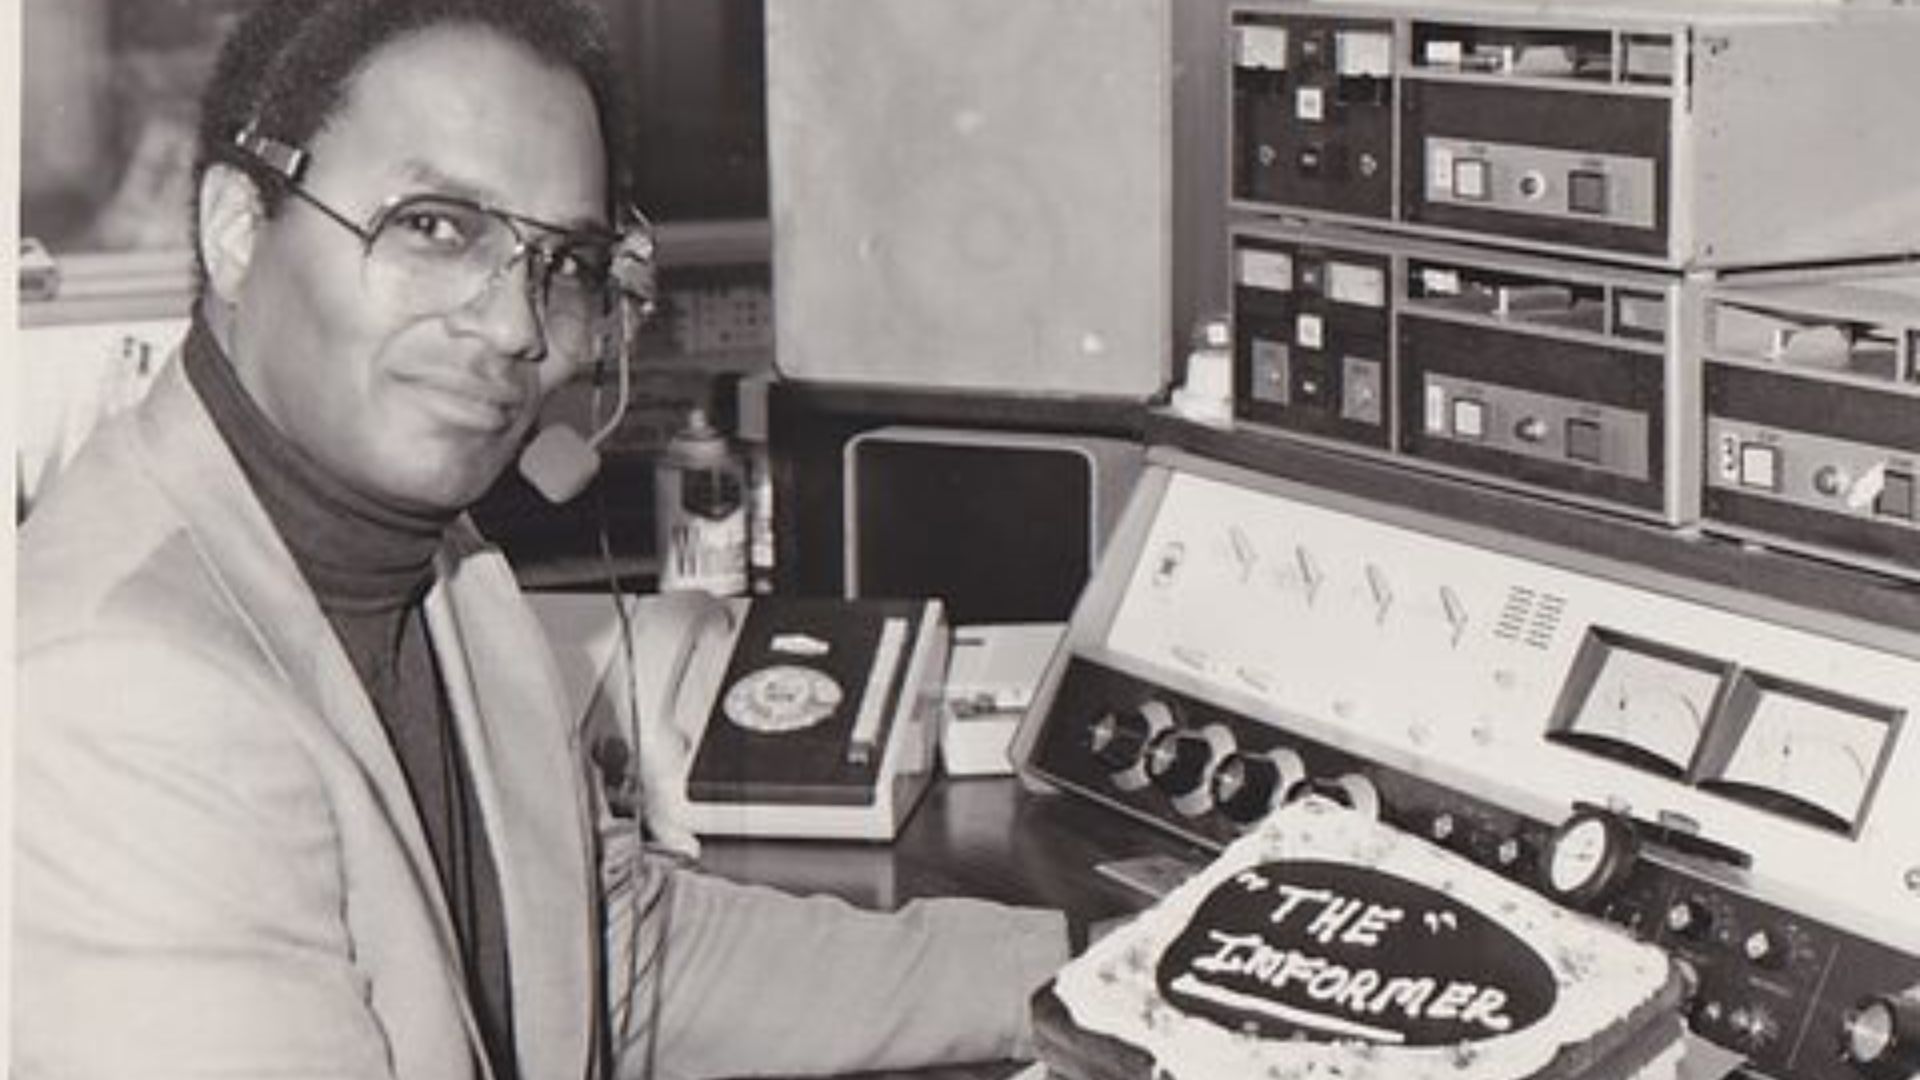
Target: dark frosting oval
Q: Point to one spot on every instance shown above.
(1333, 952)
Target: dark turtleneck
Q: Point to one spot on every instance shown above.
(370, 565)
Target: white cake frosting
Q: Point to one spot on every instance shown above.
(1349, 1017)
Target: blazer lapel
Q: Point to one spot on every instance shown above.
(193, 464)
(519, 741)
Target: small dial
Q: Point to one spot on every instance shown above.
(1690, 918)
(1589, 857)
(1767, 948)
(1514, 852)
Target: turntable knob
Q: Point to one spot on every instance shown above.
(1181, 763)
(1880, 1036)
(1246, 786)
(1116, 739)
(1177, 761)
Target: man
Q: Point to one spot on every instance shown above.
(297, 792)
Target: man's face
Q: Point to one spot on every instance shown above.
(422, 411)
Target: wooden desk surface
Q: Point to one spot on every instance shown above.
(986, 837)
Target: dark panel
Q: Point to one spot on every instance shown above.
(1635, 127)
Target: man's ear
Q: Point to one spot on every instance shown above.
(230, 221)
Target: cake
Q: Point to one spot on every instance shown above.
(1323, 944)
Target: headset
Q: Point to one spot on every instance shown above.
(559, 462)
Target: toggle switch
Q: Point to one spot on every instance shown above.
(1382, 590)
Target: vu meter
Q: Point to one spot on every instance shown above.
(1801, 751)
(1639, 701)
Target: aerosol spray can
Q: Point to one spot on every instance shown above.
(700, 510)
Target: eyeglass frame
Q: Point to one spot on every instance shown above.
(634, 242)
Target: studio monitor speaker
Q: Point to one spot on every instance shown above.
(972, 194)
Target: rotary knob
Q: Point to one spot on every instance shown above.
(1766, 948)
(1177, 762)
(1246, 786)
(1514, 852)
(1180, 763)
(1118, 740)
(1689, 918)
(1754, 1026)
(1880, 1036)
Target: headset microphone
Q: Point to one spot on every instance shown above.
(560, 462)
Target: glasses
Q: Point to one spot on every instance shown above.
(432, 254)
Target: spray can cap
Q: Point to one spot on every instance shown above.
(699, 445)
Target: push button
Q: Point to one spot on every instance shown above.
(1470, 179)
(1587, 192)
(1760, 466)
(1896, 496)
(1469, 418)
(1310, 104)
(1309, 331)
(1583, 441)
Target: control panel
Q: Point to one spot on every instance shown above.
(1314, 106)
(1812, 399)
(1574, 380)
(1732, 787)
(1683, 136)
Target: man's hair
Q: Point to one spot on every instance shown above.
(286, 68)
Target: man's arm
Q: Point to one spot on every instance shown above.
(744, 980)
(179, 894)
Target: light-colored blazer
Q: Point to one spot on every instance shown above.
(218, 869)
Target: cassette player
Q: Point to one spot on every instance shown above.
(1677, 135)
(1813, 417)
(1570, 379)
